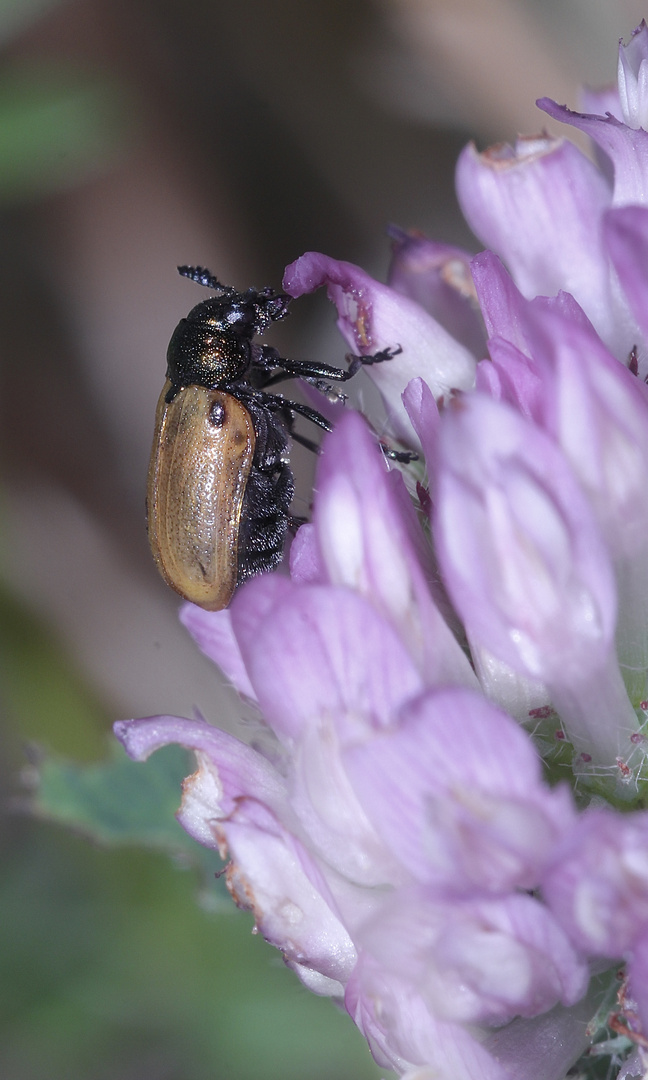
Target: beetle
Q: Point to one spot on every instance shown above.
(220, 483)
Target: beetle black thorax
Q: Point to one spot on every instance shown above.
(207, 349)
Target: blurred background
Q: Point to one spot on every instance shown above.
(233, 134)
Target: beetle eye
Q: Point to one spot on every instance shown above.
(217, 414)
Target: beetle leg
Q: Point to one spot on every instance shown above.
(357, 362)
(276, 403)
(262, 379)
(325, 388)
(404, 456)
(266, 357)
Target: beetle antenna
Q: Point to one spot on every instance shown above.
(202, 276)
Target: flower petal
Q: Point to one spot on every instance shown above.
(212, 632)
(625, 233)
(372, 317)
(306, 567)
(370, 540)
(633, 78)
(318, 651)
(455, 791)
(527, 569)
(539, 208)
(438, 277)
(626, 147)
(402, 1031)
(512, 377)
(229, 770)
(597, 412)
(273, 875)
(518, 544)
(478, 960)
(597, 885)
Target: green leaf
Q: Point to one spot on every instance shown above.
(120, 801)
(109, 969)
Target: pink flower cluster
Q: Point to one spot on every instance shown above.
(400, 837)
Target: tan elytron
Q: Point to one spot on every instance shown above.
(200, 463)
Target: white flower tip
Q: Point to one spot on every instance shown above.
(633, 78)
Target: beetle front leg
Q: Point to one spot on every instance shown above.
(265, 358)
(357, 362)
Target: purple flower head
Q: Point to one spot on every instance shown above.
(453, 678)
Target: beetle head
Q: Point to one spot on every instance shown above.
(246, 313)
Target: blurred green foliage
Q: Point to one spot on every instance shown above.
(58, 124)
(42, 696)
(110, 971)
(56, 127)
